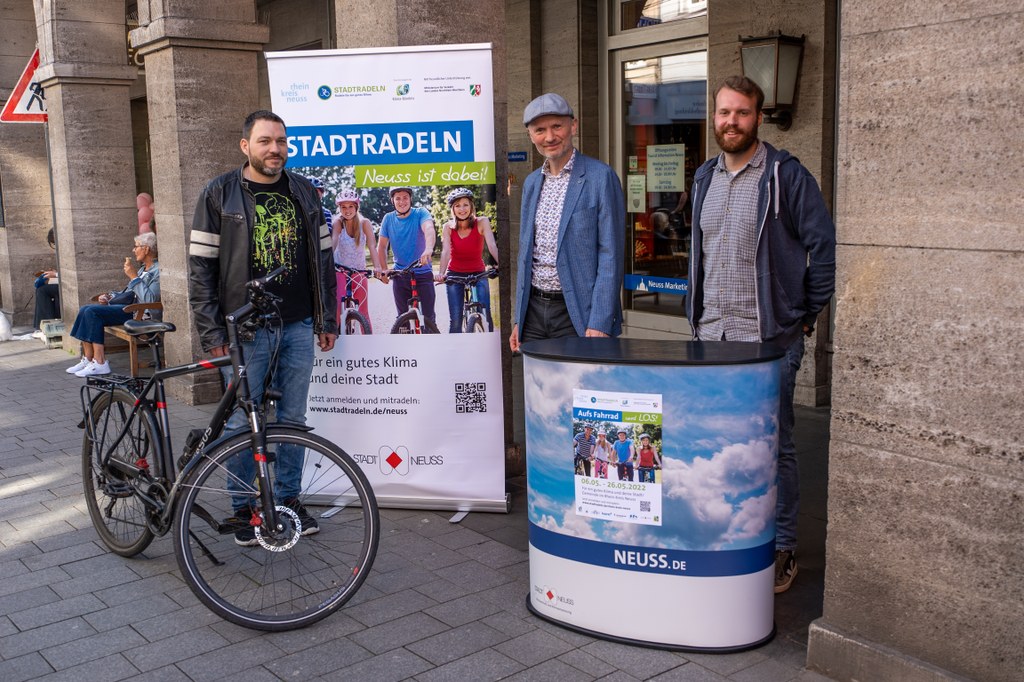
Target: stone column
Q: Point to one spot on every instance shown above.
(85, 75)
(926, 475)
(24, 178)
(201, 83)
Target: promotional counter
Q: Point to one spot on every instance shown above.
(651, 482)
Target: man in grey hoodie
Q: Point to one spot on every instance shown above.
(762, 266)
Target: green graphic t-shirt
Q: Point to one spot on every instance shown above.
(279, 238)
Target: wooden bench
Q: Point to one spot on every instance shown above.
(133, 342)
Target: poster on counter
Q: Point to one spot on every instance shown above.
(415, 400)
(636, 193)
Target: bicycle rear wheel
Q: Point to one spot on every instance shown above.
(356, 323)
(119, 516)
(289, 579)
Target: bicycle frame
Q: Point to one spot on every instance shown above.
(414, 299)
(470, 301)
(237, 390)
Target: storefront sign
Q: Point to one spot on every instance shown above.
(636, 194)
(665, 166)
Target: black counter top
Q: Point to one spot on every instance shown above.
(651, 351)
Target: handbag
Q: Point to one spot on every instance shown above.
(126, 297)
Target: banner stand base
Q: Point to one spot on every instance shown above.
(653, 645)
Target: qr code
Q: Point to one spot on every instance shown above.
(470, 397)
(645, 506)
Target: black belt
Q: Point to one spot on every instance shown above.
(547, 295)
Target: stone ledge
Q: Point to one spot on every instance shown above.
(845, 657)
(199, 33)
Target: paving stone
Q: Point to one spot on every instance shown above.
(495, 554)
(180, 647)
(21, 601)
(427, 525)
(10, 552)
(108, 618)
(7, 627)
(225, 661)
(463, 610)
(168, 673)
(473, 576)
(56, 611)
(534, 647)
(107, 669)
(392, 666)
(90, 648)
(139, 590)
(588, 663)
(727, 664)
(456, 643)
(550, 670)
(27, 667)
(480, 667)
(389, 607)
(427, 553)
(511, 625)
(56, 542)
(32, 579)
(66, 555)
(42, 637)
(401, 579)
(335, 626)
(639, 662)
(321, 659)
(461, 537)
(118, 575)
(441, 590)
(691, 672)
(398, 633)
(768, 669)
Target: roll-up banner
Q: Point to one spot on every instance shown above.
(415, 398)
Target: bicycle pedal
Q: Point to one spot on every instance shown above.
(118, 489)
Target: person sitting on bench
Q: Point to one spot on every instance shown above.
(91, 319)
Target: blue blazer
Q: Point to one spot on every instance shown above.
(591, 242)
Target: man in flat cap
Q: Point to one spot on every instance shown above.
(572, 235)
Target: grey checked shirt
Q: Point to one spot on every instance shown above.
(729, 220)
(546, 221)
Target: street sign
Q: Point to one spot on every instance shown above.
(27, 103)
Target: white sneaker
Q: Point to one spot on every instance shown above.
(83, 362)
(94, 369)
(38, 334)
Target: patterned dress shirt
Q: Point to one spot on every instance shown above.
(546, 221)
(729, 220)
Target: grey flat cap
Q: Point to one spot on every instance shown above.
(548, 104)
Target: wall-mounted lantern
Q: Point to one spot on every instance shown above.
(773, 62)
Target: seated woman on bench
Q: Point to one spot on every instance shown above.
(91, 319)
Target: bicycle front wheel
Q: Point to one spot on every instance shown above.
(117, 513)
(266, 580)
(474, 323)
(406, 324)
(356, 323)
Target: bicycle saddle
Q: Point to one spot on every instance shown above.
(140, 327)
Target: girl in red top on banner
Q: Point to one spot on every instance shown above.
(462, 244)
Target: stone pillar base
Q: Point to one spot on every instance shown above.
(846, 657)
(196, 389)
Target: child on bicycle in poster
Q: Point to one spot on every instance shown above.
(462, 242)
(409, 232)
(351, 237)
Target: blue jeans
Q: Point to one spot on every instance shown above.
(291, 378)
(92, 318)
(456, 296)
(401, 289)
(647, 474)
(787, 504)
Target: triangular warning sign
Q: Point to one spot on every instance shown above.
(27, 104)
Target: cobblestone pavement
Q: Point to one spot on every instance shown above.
(444, 601)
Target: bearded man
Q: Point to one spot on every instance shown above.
(762, 267)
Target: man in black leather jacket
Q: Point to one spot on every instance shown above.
(247, 223)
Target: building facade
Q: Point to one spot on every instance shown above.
(902, 114)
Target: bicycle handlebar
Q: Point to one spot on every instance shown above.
(489, 273)
(259, 285)
(338, 267)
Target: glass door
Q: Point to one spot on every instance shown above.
(659, 139)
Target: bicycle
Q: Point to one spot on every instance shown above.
(351, 320)
(412, 320)
(473, 311)
(136, 490)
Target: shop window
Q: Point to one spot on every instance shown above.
(644, 13)
(664, 126)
